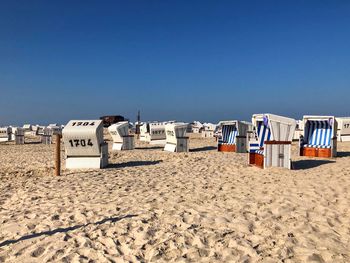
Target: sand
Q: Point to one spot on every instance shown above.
(155, 206)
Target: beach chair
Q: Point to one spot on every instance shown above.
(157, 133)
(144, 132)
(56, 129)
(196, 127)
(46, 136)
(319, 138)
(18, 135)
(122, 140)
(208, 130)
(343, 133)
(28, 129)
(176, 140)
(5, 134)
(84, 145)
(233, 136)
(271, 146)
(299, 130)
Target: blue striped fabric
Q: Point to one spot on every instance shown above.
(317, 146)
(260, 152)
(229, 133)
(264, 133)
(318, 134)
(253, 147)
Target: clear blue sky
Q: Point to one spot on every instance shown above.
(183, 60)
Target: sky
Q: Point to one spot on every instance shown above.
(172, 60)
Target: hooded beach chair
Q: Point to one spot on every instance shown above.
(18, 135)
(46, 137)
(208, 130)
(122, 140)
(343, 134)
(233, 136)
(273, 138)
(196, 127)
(144, 132)
(319, 139)
(84, 145)
(176, 140)
(5, 134)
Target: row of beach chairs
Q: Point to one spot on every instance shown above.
(85, 146)
(267, 139)
(18, 134)
(269, 142)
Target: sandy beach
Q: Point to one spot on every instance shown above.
(155, 206)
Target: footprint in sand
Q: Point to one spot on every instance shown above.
(38, 252)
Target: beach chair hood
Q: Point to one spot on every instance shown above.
(273, 127)
(119, 130)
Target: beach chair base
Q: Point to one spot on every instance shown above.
(19, 139)
(241, 144)
(207, 134)
(89, 162)
(256, 159)
(125, 145)
(227, 148)
(145, 138)
(158, 142)
(316, 152)
(46, 139)
(181, 145)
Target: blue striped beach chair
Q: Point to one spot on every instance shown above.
(233, 136)
(319, 139)
(272, 143)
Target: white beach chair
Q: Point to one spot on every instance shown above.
(46, 136)
(56, 129)
(84, 145)
(5, 134)
(144, 132)
(122, 140)
(176, 140)
(299, 130)
(272, 143)
(319, 138)
(208, 130)
(40, 130)
(233, 136)
(343, 133)
(157, 133)
(28, 129)
(18, 134)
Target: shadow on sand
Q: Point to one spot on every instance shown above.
(64, 230)
(343, 154)
(203, 149)
(308, 164)
(33, 142)
(133, 164)
(149, 148)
